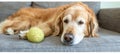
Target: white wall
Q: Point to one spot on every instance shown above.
(110, 5)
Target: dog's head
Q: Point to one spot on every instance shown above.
(77, 21)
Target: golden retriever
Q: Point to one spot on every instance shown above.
(71, 21)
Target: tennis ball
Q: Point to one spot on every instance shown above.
(35, 34)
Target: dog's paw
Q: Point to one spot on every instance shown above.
(22, 35)
(10, 31)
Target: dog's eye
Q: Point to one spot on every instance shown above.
(80, 22)
(66, 21)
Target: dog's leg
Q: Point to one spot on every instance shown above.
(22, 34)
(2, 24)
(13, 26)
(1, 28)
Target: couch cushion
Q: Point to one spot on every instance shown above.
(8, 8)
(93, 5)
(110, 19)
(108, 41)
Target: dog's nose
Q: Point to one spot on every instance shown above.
(68, 38)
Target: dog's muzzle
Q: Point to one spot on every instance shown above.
(68, 39)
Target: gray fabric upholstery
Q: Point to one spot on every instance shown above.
(95, 6)
(8, 8)
(108, 41)
(110, 19)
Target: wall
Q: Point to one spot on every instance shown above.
(110, 5)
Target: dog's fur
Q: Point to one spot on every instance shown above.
(81, 21)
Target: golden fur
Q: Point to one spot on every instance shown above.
(49, 20)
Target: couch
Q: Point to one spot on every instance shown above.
(108, 40)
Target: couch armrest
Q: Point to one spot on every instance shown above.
(110, 19)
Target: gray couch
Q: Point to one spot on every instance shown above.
(107, 40)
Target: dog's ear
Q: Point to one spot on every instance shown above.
(58, 25)
(92, 24)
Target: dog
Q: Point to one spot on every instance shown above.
(72, 22)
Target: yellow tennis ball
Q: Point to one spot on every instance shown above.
(35, 34)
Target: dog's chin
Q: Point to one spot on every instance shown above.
(76, 41)
(71, 44)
